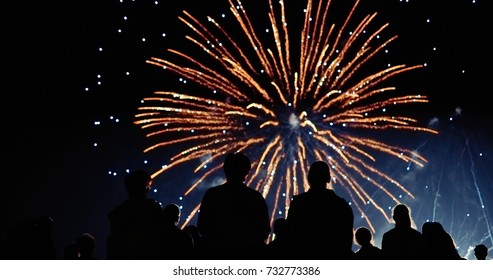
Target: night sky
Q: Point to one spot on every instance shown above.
(76, 74)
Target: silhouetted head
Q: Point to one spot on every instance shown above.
(363, 236)
(481, 251)
(280, 227)
(172, 214)
(236, 167)
(86, 244)
(138, 183)
(319, 175)
(432, 229)
(401, 215)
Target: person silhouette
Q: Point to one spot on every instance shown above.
(481, 252)
(233, 219)
(194, 233)
(437, 243)
(136, 223)
(86, 245)
(367, 251)
(402, 242)
(178, 244)
(319, 222)
(44, 246)
(278, 248)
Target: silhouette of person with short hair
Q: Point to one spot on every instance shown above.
(233, 219)
(194, 233)
(319, 222)
(481, 252)
(135, 224)
(437, 243)
(367, 251)
(278, 248)
(402, 242)
(44, 245)
(86, 245)
(178, 244)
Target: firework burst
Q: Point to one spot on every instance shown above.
(285, 95)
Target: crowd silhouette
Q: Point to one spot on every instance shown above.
(233, 223)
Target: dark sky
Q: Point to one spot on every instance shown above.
(51, 52)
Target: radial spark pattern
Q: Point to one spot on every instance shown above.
(286, 95)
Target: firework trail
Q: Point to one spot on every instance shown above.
(286, 98)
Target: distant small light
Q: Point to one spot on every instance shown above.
(86, 89)
(95, 144)
(127, 73)
(145, 161)
(143, 39)
(163, 35)
(100, 49)
(155, 190)
(280, 212)
(180, 198)
(467, 214)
